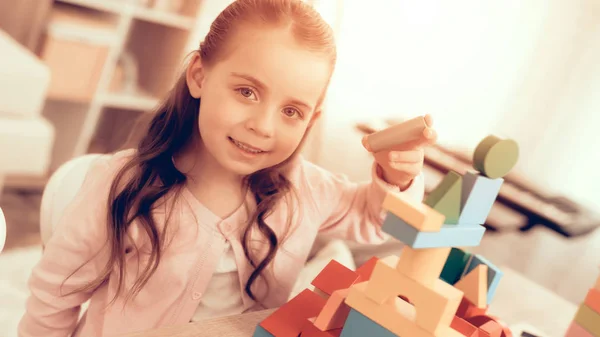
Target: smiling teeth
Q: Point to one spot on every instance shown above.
(244, 147)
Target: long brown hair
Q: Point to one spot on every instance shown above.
(150, 173)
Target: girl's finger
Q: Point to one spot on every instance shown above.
(411, 156)
(407, 168)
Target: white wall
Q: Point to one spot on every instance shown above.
(513, 68)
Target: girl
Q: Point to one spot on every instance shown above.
(214, 212)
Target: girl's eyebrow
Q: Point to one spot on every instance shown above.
(260, 85)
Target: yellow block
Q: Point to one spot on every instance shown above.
(423, 265)
(435, 305)
(395, 315)
(416, 214)
(474, 285)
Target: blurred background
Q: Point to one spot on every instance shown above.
(76, 74)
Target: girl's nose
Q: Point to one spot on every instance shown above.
(262, 123)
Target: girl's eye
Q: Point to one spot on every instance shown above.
(291, 112)
(246, 92)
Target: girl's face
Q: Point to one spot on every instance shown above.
(257, 102)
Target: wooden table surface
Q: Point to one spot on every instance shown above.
(517, 301)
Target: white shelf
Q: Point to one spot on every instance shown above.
(126, 101)
(113, 6)
(164, 18)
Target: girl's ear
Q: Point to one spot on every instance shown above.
(195, 76)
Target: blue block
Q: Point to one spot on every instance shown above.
(261, 332)
(478, 196)
(359, 325)
(493, 277)
(448, 236)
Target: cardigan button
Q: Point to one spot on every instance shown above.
(196, 295)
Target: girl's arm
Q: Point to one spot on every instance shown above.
(352, 211)
(78, 239)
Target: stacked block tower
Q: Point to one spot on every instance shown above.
(587, 319)
(434, 288)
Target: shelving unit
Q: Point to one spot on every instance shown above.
(90, 103)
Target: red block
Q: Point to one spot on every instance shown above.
(491, 324)
(467, 329)
(290, 318)
(335, 276)
(366, 269)
(467, 309)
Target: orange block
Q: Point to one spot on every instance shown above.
(466, 328)
(309, 330)
(366, 269)
(592, 299)
(396, 315)
(335, 312)
(474, 285)
(416, 214)
(423, 265)
(435, 305)
(467, 309)
(335, 276)
(290, 318)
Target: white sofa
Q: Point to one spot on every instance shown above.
(26, 138)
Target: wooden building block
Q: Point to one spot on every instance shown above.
(592, 299)
(576, 330)
(416, 214)
(261, 332)
(493, 277)
(495, 157)
(435, 305)
(422, 265)
(446, 197)
(467, 329)
(478, 196)
(333, 277)
(290, 318)
(366, 269)
(466, 309)
(474, 285)
(396, 315)
(310, 330)
(447, 236)
(334, 313)
(454, 266)
(491, 324)
(588, 319)
(358, 325)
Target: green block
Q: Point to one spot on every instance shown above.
(494, 157)
(446, 197)
(588, 319)
(456, 263)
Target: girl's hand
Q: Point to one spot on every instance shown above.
(400, 164)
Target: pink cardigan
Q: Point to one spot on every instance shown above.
(331, 205)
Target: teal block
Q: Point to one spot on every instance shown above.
(447, 236)
(359, 325)
(478, 196)
(261, 332)
(493, 277)
(455, 264)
